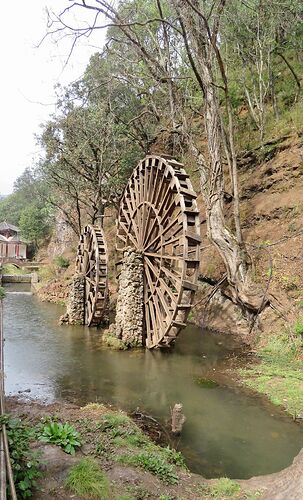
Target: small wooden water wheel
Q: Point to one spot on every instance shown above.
(92, 263)
(159, 219)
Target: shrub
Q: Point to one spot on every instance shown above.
(224, 487)
(25, 462)
(114, 421)
(11, 269)
(298, 326)
(86, 479)
(63, 435)
(152, 462)
(62, 262)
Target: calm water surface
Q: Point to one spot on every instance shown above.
(227, 432)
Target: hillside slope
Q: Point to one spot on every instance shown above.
(271, 183)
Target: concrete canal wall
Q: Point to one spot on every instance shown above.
(16, 278)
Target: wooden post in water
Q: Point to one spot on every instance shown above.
(177, 418)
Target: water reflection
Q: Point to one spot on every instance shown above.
(226, 433)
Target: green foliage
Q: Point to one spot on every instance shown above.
(33, 223)
(114, 421)
(173, 456)
(11, 207)
(121, 430)
(62, 262)
(46, 273)
(224, 487)
(298, 326)
(26, 207)
(94, 407)
(86, 479)
(11, 269)
(281, 349)
(152, 462)
(25, 462)
(88, 154)
(63, 435)
(2, 293)
(205, 383)
(134, 493)
(118, 430)
(279, 375)
(112, 341)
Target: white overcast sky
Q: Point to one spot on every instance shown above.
(28, 78)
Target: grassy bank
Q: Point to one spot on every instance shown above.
(100, 453)
(279, 374)
(11, 269)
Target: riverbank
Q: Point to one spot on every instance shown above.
(273, 354)
(133, 467)
(278, 373)
(120, 459)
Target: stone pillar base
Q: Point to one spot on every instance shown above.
(129, 311)
(75, 306)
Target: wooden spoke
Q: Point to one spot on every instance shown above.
(172, 224)
(92, 263)
(163, 285)
(159, 219)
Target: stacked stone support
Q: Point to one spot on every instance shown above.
(129, 311)
(75, 306)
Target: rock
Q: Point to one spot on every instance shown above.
(287, 484)
(63, 237)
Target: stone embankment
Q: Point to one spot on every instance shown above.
(16, 278)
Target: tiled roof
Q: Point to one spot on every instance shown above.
(15, 238)
(4, 226)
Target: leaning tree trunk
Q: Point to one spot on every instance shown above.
(241, 289)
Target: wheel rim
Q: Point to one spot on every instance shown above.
(93, 264)
(159, 219)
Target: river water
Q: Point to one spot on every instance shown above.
(227, 432)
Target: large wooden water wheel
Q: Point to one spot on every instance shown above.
(159, 219)
(92, 263)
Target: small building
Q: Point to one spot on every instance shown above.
(11, 246)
